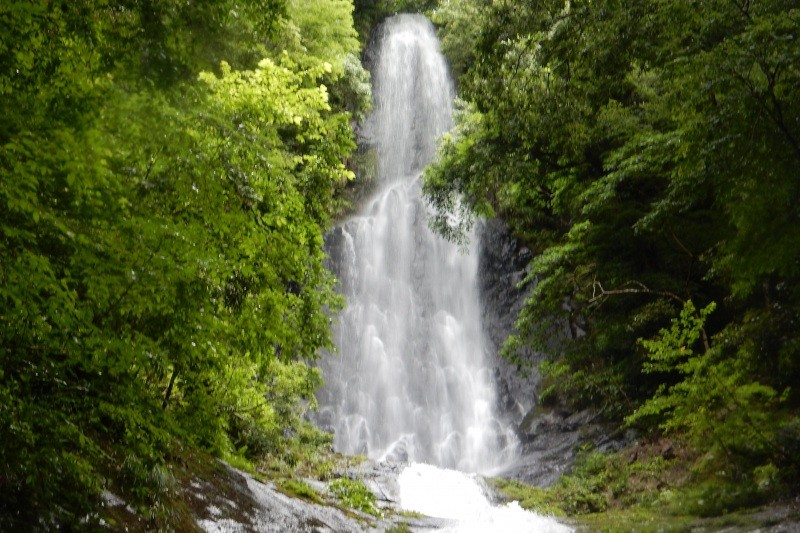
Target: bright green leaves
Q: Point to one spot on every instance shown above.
(161, 228)
(280, 109)
(325, 30)
(714, 401)
(675, 346)
(319, 35)
(268, 98)
(262, 411)
(290, 175)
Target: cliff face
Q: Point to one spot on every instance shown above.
(503, 264)
(548, 436)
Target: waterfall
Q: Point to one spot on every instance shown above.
(410, 381)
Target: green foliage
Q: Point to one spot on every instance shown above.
(320, 33)
(639, 489)
(460, 24)
(673, 349)
(299, 489)
(368, 14)
(648, 153)
(166, 175)
(714, 402)
(308, 453)
(599, 482)
(354, 494)
(445, 185)
(535, 499)
(646, 487)
(716, 498)
(324, 29)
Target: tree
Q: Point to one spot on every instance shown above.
(161, 239)
(647, 152)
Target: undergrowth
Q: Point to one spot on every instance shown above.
(653, 486)
(354, 494)
(299, 489)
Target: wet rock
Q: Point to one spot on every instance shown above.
(234, 501)
(548, 437)
(254, 506)
(503, 264)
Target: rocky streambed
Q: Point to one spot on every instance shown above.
(220, 498)
(224, 499)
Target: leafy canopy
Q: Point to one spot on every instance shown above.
(648, 152)
(166, 175)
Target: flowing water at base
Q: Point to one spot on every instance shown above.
(458, 496)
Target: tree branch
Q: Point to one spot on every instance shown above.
(631, 287)
(168, 392)
(637, 287)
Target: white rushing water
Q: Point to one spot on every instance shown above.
(458, 496)
(410, 382)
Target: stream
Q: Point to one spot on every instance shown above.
(460, 497)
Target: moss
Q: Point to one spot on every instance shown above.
(354, 494)
(651, 486)
(658, 519)
(634, 519)
(532, 498)
(299, 489)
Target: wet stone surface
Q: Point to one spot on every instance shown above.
(237, 502)
(548, 437)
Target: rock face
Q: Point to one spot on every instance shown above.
(502, 266)
(218, 498)
(269, 510)
(548, 437)
(240, 503)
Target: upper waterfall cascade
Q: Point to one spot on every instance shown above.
(411, 381)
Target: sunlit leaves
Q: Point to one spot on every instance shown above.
(715, 401)
(161, 237)
(325, 29)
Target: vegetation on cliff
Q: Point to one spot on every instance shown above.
(649, 154)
